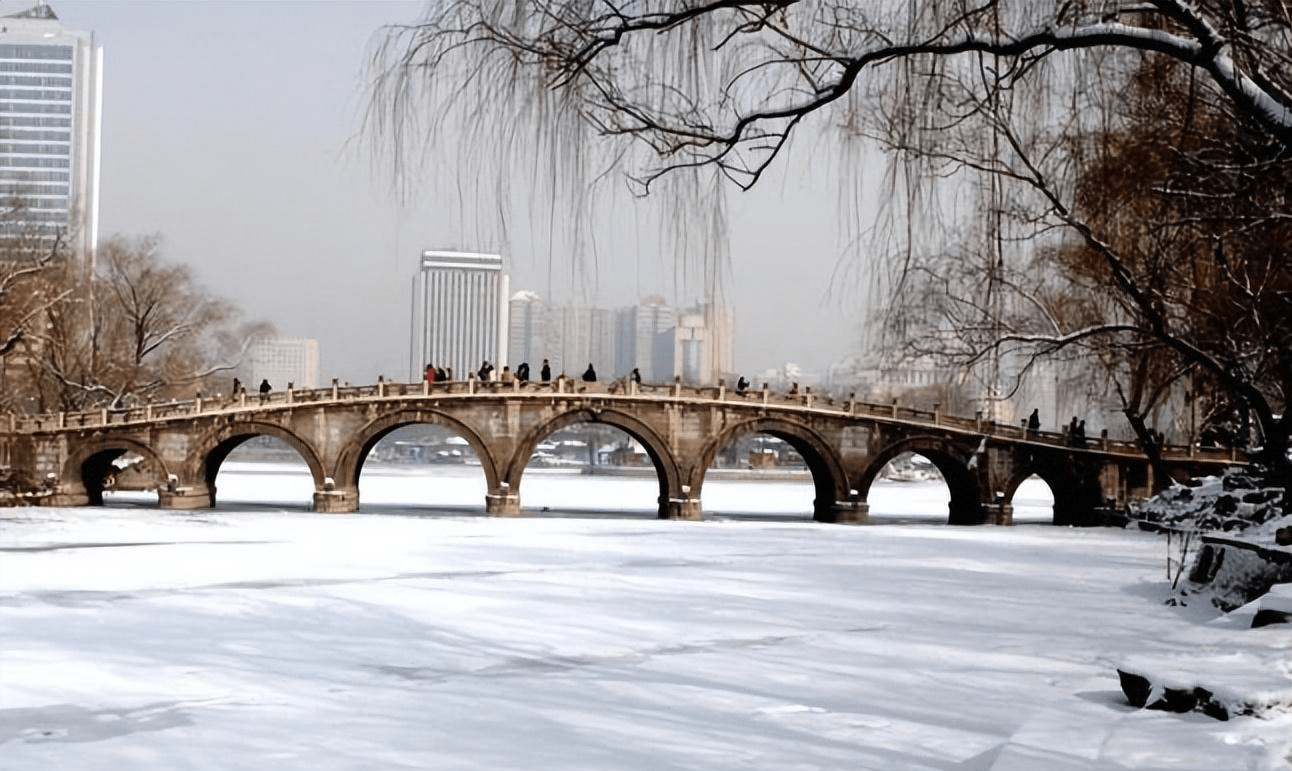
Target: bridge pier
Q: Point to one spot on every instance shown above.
(502, 502)
(185, 498)
(681, 508)
(343, 501)
(844, 513)
(998, 513)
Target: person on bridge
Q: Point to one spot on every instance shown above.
(486, 371)
(546, 372)
(522, 372)
(742, 385)
(1034, 421)
(237, 386)
(265, 388)
(589, 374)
(430, 373)
(635, 376)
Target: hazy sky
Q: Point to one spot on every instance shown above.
(231, 130)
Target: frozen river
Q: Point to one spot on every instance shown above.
(261, 635)
(460, 489)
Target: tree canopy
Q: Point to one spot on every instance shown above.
(1140, 148)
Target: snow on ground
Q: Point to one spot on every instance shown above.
(263, 636)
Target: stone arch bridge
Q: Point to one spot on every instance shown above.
(845, 444)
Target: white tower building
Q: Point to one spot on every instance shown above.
(459, 316)
(50, 92)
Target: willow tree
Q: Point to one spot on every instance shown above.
(990, 113)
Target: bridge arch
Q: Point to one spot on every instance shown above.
(211, 450)
(950, 459)
(666, 470)
(92, 465)
(1076, 495)
(829, 478)
(349, 464)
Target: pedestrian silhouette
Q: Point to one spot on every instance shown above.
(635, 376)
(589, 374)
(522, 372)
(742, 385)
(265, 388)
(546, 372)
(486, 370)
(1034, 421)
(237, 386)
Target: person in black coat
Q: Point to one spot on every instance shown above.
(522, 372)
(546, 372)
(589, 374)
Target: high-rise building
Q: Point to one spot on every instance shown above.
(50, 91)
(646, 338)
(283, 362)
(459, 315)
(529, 336)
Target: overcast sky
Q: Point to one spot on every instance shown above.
(229, 129)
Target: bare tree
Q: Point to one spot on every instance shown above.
(1025, 104)
(139, 329)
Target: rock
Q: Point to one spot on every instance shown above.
(1139, 690)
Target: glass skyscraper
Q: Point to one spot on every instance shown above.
(50, 89)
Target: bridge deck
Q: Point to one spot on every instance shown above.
(619, 391)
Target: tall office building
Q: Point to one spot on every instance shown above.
(459, 316)
(529, 336)
(50, 92)
(283, 362)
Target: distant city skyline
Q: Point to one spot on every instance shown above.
(234, 131)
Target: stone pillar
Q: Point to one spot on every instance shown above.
(681, 508)
(998, 513)
(502, 502)
(66, 498)
(180, 498)
(336, 501)
(844, 512)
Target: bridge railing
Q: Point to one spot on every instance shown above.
(384, 390)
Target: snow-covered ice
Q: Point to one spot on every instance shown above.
(265, 636)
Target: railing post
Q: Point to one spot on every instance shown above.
(197, 402)
(471, 382)
(62, 420)
(852, 403)
(937, 413)
(764, 394)
(103, 416)
(426, 387)
(722, 389)
(894, 409)
(807, 396)
(977, 421)
(677, 386)
(381, 386)
(1103, 439)
(291, 391)
(334, 389)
